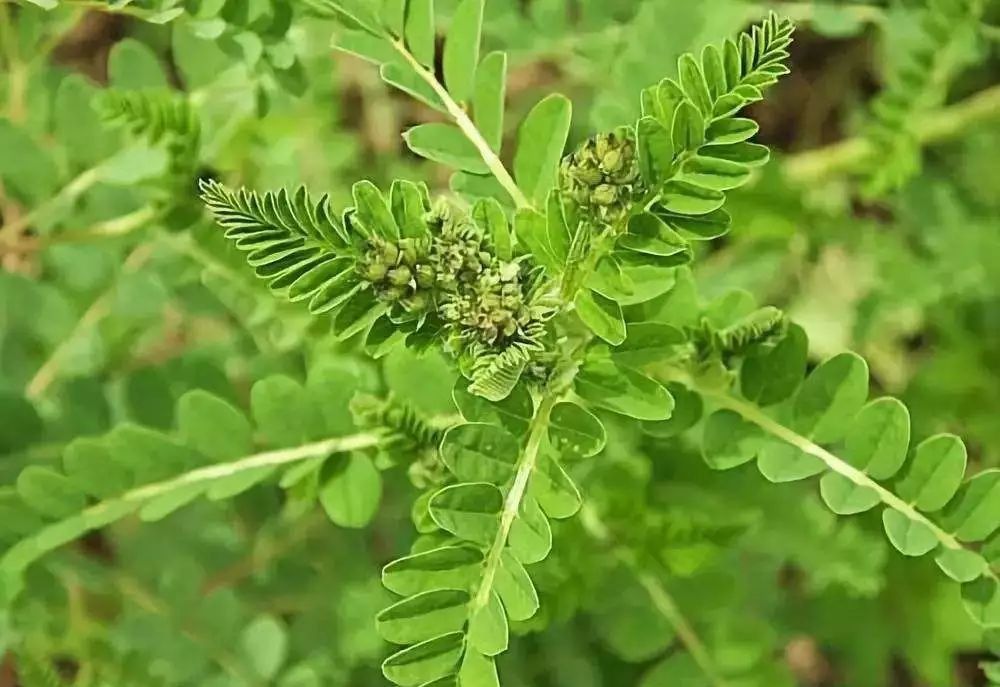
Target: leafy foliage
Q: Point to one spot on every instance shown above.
(534, 364)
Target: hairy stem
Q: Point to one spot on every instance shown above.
(663, 602)
(946, 123)
(458, 114)
(512, 504)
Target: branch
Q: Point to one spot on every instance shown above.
(467, 127)
(755, 415)
(525, 466)
(850, 154)
(661, 598)
(97, 311)
(111, 228)
(26, 551)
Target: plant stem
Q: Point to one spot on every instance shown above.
(838, 465)
(661, 598)
(72, 190)
(847, 155)
(26, 551)
(512, 504)
(467, 127)
(97, 311)
(111, 228)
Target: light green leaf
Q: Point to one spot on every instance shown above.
(961, 565)
(403, 77)
(351, 495)
(444, 143)
(844, 497)
(910, 537)
(730, 130)
(425, 662)
(692, 80)
(830, 398)
(683, 198)
(372, 214)
(649, 234)
(982, 601)
(409, 205)
(283, 412)
(602, 315)
(513, 413)
(648, 342)
(713, 173)
(540, 143)
(935, 473)
(772, 374)
(688, 131)
(688, 409)
(515, 588)
(461, 48)
(974, 514)
(488, 98)
(133, 66)
(480, 453)
(49, 492)
(469, 511)
(89, 466)
(656, 151)
(530, 537)
(704, 227)
(531, 229)
(423, 616)
(879, 438)
(780, 462)
(555, 491)
(489, 215)
(623, 390)
(357, 314)
(265, 645)
(420, 31)
(488, 628)
(451, 567)
(477, 671)
(575, 432)
(213, 427)
(729, 440)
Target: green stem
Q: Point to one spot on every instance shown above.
(118, 226)
(467, 127)
(850, 154)
(68, 193)
(663, 602)
(99, 308)
(28, 550)
(512, 504)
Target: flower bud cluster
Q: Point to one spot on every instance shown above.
(602, 176)
(456, 275)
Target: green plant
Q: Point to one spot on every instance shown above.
(531, 395)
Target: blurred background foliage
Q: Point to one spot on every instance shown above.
(117, 296)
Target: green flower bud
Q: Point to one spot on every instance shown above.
(602, 176)
(400, 276)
